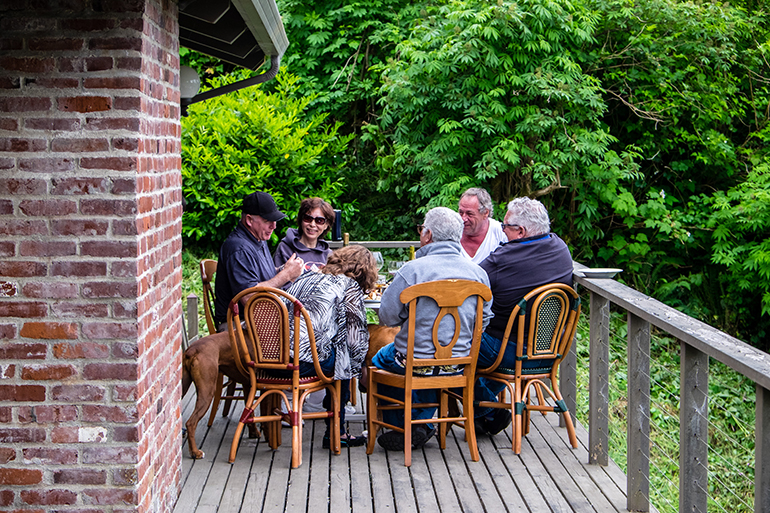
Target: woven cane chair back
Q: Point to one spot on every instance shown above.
(269, 320)
(549, 315)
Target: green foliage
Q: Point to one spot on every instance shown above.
(250, 140)
(491, 94)
(741, 245)
(686, 87)
(335, 44)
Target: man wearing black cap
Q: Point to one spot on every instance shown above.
(244, 259)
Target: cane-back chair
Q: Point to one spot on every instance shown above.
(548, 317)
(263, 343)
(226, 390)
(449, 295)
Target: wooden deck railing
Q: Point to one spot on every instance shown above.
(698, 341)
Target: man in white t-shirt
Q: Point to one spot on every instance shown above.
(481, 234)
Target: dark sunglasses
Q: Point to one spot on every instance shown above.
(419, 229)
(504, 225)
(320, 221)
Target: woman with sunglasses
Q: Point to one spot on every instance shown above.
(314, 219)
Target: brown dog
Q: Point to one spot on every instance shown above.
(379, 337)
(201, 364)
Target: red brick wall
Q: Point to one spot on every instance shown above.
(90, 255)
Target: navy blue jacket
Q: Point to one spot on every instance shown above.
(517, 267)
(244, 262)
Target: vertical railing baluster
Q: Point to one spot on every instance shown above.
(638, 420)
(568, 382)
(192, 318)
(693, 429)
(762, 452)
(598, 385)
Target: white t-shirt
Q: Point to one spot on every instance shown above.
(495, 236)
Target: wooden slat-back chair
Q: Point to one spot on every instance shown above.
(449, 295)
(548, 316)
(263, 344)
(227, 391)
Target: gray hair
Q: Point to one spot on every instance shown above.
(444, 224)
(530, 214)
(485, 200)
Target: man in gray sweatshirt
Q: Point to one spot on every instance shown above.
(439, 258)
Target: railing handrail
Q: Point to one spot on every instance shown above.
(733, 352)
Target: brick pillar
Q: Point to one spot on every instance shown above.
(90, 255)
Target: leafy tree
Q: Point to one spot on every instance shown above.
(250, 140)
(686, 86)
(493, 95)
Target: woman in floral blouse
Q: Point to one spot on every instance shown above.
(334, 300)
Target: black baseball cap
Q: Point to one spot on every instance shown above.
(262, 204)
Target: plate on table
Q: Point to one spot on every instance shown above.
(600, 273)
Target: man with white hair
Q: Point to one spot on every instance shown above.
(533, 256)
(439, 258)
(481, 234)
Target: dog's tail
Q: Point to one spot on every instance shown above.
(186, 376)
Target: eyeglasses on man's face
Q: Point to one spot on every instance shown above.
(320, 221)
(419, 229)
(506, 225)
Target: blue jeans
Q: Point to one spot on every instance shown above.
(487, 389)
(385, 359)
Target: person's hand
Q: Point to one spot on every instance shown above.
(293, 267)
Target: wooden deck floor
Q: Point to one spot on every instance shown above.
(548, 475)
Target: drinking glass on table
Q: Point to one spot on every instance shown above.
(394, 266)
(380, 263)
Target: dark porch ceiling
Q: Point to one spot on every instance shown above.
(242, 32)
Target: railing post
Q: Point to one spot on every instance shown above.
(762, 452)
(568, 383)
(192, 318)
(638, 425)
(693, 429)
(598, 385)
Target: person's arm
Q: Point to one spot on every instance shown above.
(290, 272)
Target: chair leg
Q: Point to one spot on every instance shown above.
(296, 430)
(230, 392)
(407, 429)
(470, 425)
(517, 407)
(372, 413)
(217, 397)
(334, 436)
(567, 417)
(239, 428)
(570, 429)
(442, 413)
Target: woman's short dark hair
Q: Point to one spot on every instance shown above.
(356, 262)
(309, 204)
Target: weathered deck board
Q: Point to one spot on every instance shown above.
(548, 475)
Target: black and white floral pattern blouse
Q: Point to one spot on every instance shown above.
(335, 304)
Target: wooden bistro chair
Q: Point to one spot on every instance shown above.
(265, 344)
(227, 391)
(548, 316)
(449, 295)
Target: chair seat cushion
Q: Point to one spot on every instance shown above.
(264, 377)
